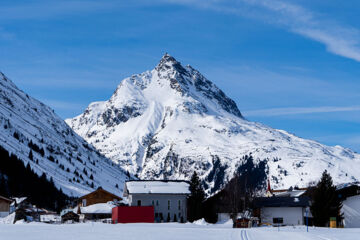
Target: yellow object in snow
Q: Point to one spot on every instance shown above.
(333, 222)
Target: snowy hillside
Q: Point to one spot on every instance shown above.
(170, 121)
(34, 133)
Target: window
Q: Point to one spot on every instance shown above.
(168, 204)
(152, 203)
(139, 202)
(157, 202)
(84, 202)
(179, 207)
(278, 220)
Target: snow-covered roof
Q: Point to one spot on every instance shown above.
(157, 187)
(345, 185)
(293, 193)
(97, 208)
(18, 200)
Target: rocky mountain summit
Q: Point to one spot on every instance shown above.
(168, 122)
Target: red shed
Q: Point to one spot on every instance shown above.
(125, 214)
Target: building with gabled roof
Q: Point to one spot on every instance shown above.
(285, 210)
(169, 198)
(349, 194)
(5, 206)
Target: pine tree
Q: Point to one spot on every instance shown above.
(196, 198)
(16, 179)
(326, 203)
(31, 156)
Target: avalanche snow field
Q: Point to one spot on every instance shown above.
(167, 231)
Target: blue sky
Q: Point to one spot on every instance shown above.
(290, 64)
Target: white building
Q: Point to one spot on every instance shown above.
(349, 193)
(283, 210)
(169, 198)
(351, 211)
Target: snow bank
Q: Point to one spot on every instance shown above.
(225, 222)
(201, 222)
(8, 219)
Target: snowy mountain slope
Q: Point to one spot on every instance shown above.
(28, 125)
(170, 121)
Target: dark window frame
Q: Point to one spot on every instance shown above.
(278, 220)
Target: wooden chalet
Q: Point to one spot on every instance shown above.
(70, 217)
(4, 206)
(98, 196)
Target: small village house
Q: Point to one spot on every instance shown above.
(350, 196)
(96, 205)
(30, 212)
(69, 217)
(283, 207)
(98, 211)
(282, 210)
(4, 206)
(169, 198)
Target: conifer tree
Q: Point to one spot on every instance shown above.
(326, 203)
(196, 198)
(31, 155)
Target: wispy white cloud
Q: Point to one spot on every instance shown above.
(300, 110)
(339, 39)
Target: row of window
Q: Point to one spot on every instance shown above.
(160, 218)
(157, 203)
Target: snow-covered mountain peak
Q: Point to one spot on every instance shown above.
(167, 61)
(170, 121)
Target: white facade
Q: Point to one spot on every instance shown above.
(289, 215)
(165, 205)
(223, 217)
(351, 211)
(169, 198)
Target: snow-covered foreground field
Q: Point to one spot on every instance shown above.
(167, 231)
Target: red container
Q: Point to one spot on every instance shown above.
(125, 214)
